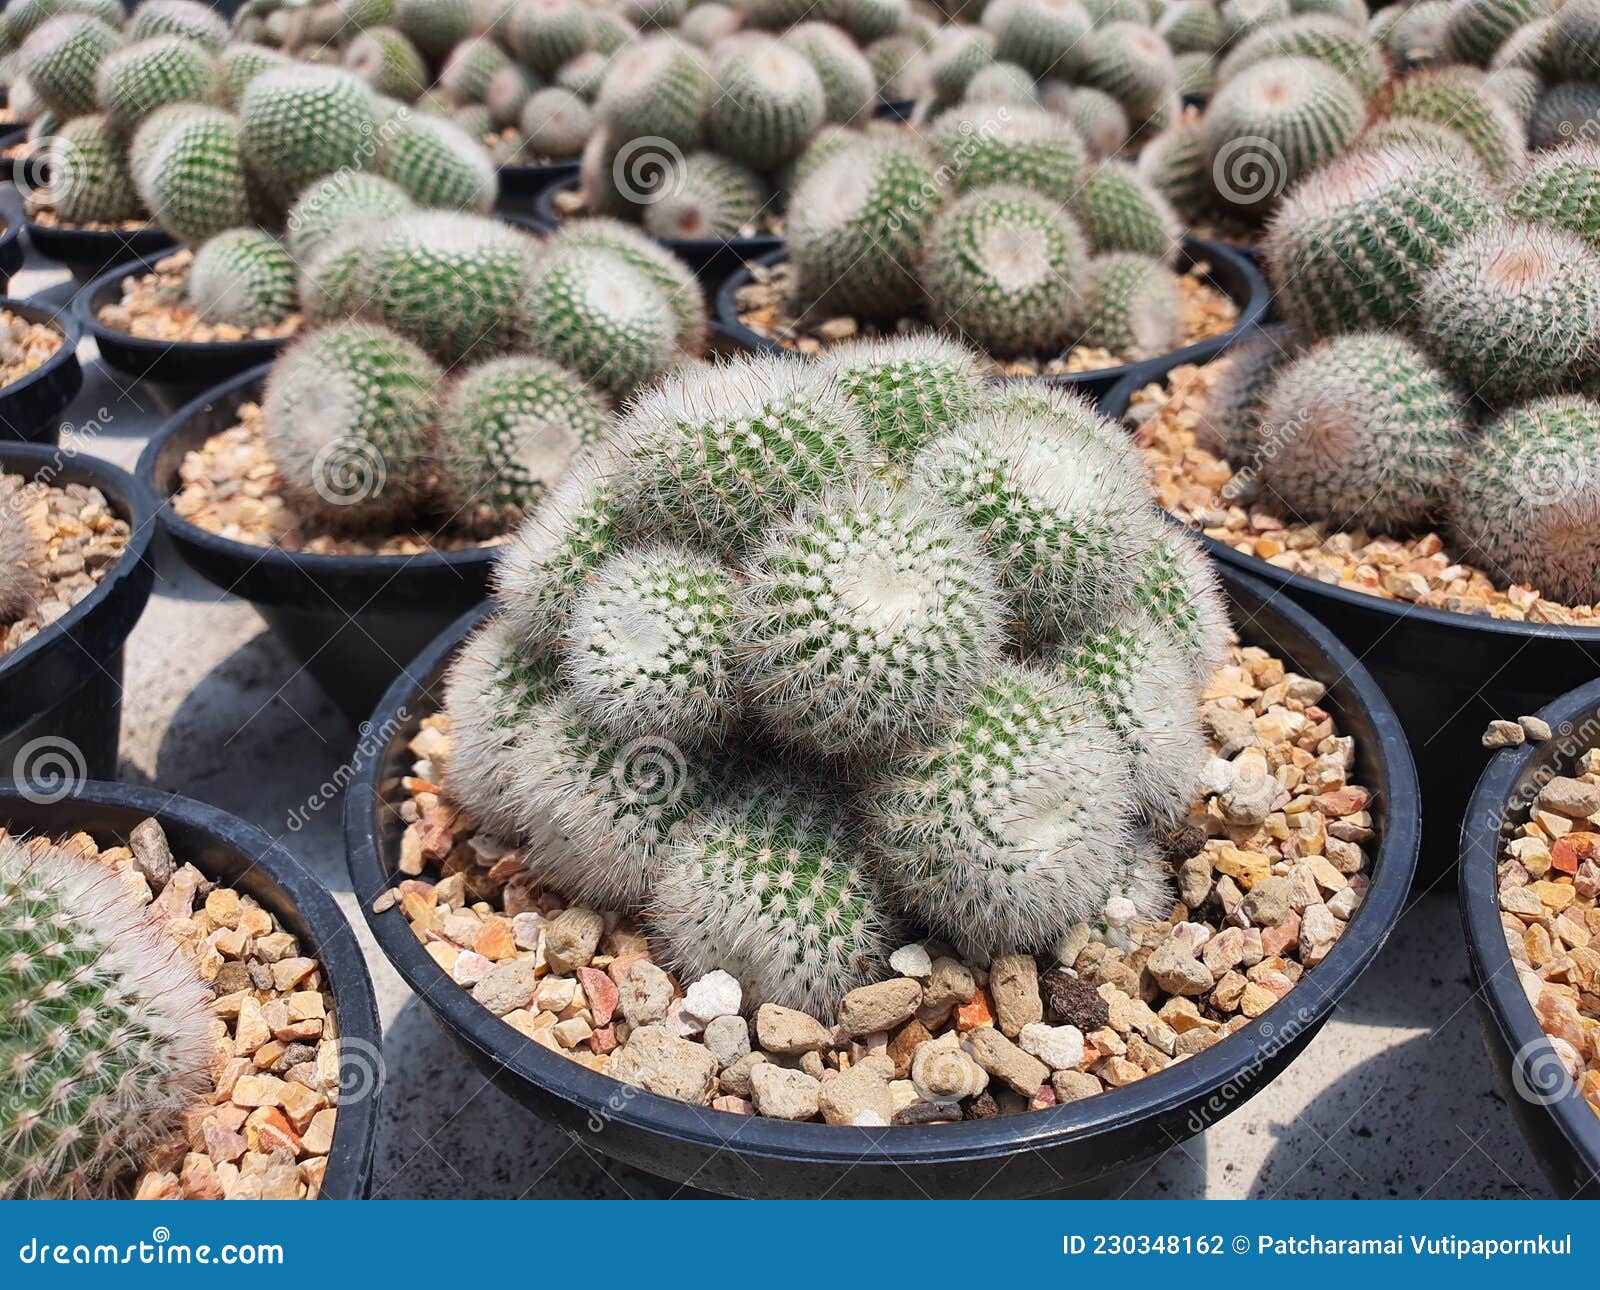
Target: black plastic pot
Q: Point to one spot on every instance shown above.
(1072, 1148)
(61, 692)
(30, 408)
(1230, 272)
(174, 371)
(1559, 1124)
(713, 259)
(12, 136)
(89, 252)
(11, 253)
(352, 621)
(519, 185)
(1447, 674)
(227, 849)
(900, 110)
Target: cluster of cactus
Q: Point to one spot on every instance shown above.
(362, 422)
(1060, 253)
(803, 652)
(108, 1026)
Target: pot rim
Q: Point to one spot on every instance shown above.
(310, 564)
(61, 321)
(1115, 405)
(1206, 1077)
(1515, 1022)
(1251, 312)
(355, 1005)
(126, 494)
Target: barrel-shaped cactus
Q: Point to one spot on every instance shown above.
(243, 277)
(138, 79)
(768, 103)
(1026, 146)
(190, 168)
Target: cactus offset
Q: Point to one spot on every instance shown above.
(243, 277)
(1118, 210)
(1028, 146)
(908, 389)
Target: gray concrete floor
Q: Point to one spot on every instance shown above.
(1392, 1099)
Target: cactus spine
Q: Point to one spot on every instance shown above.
(243, 277)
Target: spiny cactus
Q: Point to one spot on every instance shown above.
(868, 617)
(1175, 590)
(592, 311)
(108, 1027)
(333, 280)
(388, 62)
(1413, 132)
(1002, 83)
(1240, 17)
(1132, 306)
(718, 456)
(1275, 122)
(1002, 267)
(439, 164)
(243, 277)
(1562, 189)
(658, 88)
(508, 429)
(908, 388)
(1514, 311)
(338, 203)
(193, 180)
(848, 83)
(187, 18)
(136, 80)
(1458, 97)
(1055, 504)
(684, 295)
(1191, 27)
(89, 179)
(555, 123)
(771, 886)
(709, 198)
(1571, 48)
(872, 20)
(1525, 502)
(1525, 49)
(1004, 829)
(1197, 75)
(1132, 64)
(769, 101)
(1415, 36)
(454, 284)
(1357, 239)
(1027, 146)
(854, 227)
(543, 34)
(62, 60)
(1517, 89)
(1119, 211)
(434, 26)
(1176, 164)
(1475, 29)
(1327, 39)
(1361, 431)
(651, 647)
(1230, 420)
(361, 14)
(1565, 113)
(584, 75)
(23, 556)
(1045, 37)
(958, 54)
(348, 411)
(1096, 116)
(301, 122)
(705, 24)
(239, 63)
(472, 64)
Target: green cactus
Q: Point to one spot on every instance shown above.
(1128, 61)
(338, 203)
(1274, 123)
(1525, 49)
(1120, 211)
(1003, 267)
(1514, 311)
(1361, 432)
(776, 15)
(707, 23)
(1230, 420)
(1176, 591)
(1475, 29)
(508, 430)
(1240, 17)
(243, 277)
(62, 59)
(1175, 163)
(1561, 189)
(435, 27)
(507, 94)
(239, 64)
(1415, 38)
(439, 164)
(848, 82)
(1191, 27)
(555, 123)
(908, 389)
(348, 412)
(708, 198)
(584, 75)
(472, 65)
(108, 1030)
(136, 80)
(1029, 147)
(1197, 75)
(652, 647)
(360, 14)
(187, 18)
(871, 20)
(1565, 113)
(1098, 118)
(771, 885)
(656, 89)
(854, 227)
(1459, 97)
(1352, 245)
(193, 180)
(1518, 89)
(333, 280)
(1132, 306)
(1571, 49)
(543, 34)
(1005, 831)
(768, 103)
(302, 122)
(684, 294)
(1525, 503)
(1328, 39)
(1002, 83)
(958, 54)
(88, 169)
(387, 62)
(1413, 132)
(1045, 37)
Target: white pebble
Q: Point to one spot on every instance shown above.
(1058, 1047)
(869, 1120)
(714, 995)
(1120, 911)
(1216, 776)
(470, 968)
(525, 928)
(913, 961)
